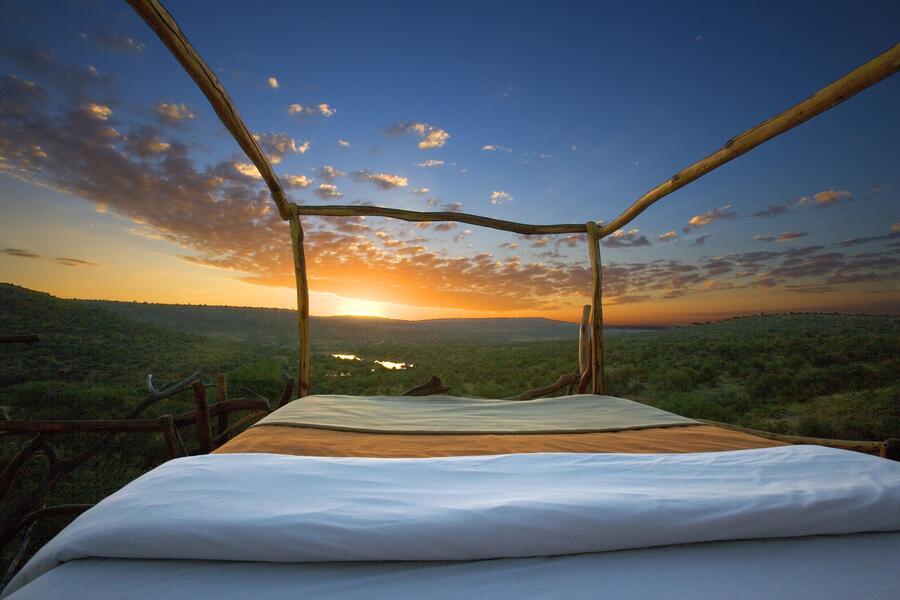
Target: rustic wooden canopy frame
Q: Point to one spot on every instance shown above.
(165, 27)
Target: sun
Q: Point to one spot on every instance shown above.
(359, 307)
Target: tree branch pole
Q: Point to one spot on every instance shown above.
(165, 27)
(336, 210)
(303, 355)
(597, 386)
(879, 68)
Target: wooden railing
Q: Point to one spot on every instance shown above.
(165, 27)
(29, 508)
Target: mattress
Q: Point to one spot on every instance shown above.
(791, 521)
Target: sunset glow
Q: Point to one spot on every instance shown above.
(118, 182)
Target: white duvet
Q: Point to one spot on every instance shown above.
(275, 508)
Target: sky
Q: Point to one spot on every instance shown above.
(118, 182)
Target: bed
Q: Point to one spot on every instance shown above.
(443, 497)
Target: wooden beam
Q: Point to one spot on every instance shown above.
(584, 339)
(303, 355)
(204, 435)
(597, 386)
(877, 69)
(165, 27)
(339, 210)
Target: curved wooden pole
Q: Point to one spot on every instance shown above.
(340, 210)
(165, 27)
(847, 86)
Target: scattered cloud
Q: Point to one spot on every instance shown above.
(500, 197)
(822, 199)
(432, 202)
(322, 109)
(444, 226)
(328, 173)
(384, 181)
(297, 181)
(421, 191)
(496, 148)
(74, 262)
(712, 215)
(273, 83)
(430, 163)
(668, 236)
(782, 237)
(453, 207)
(343, 143)
(509, 245)
(700, 241)
(826, 198)
(115, 41)
(625, 239)
(247, 170)
(327, 191)
(174, 113)
(430, 136)
(277, 145)
(101, 112)
(19, 253)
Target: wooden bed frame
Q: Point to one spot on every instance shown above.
(165, 27)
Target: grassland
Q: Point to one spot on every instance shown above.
(827, 375)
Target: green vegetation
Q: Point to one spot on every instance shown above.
(823, 375)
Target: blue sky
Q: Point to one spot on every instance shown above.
(587, 105)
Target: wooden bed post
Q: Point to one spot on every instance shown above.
(303, 358)
(584, 340)
(597, 386)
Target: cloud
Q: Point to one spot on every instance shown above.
(668, 236)
(115, 41)
(782, 237)
(822, 199)
(430, 163)
(895, 227)
(712, 215)
(101, 112)
(508, 245)
(328, 173)
(297, 181)
(496, 148)
(894, 234)
(384, 181)
(421, 191)
(826, 198)
(432, 202)
(247, 170)
(322, 109)
(700, 241)
(19, 253)
(277, 145)
(327, 191)
(499, 197)
(453, 207)
(273, 83)
(625, 239)
(343, 143)
(174, 113)
(74, 262)
(241, 234)
(445, 226)
(431, 136)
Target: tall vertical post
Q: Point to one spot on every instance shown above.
(584, 339)
(303, 360)
(593, 234)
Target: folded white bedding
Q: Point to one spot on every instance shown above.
(275, 508)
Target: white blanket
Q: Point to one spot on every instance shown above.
(274, 508)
